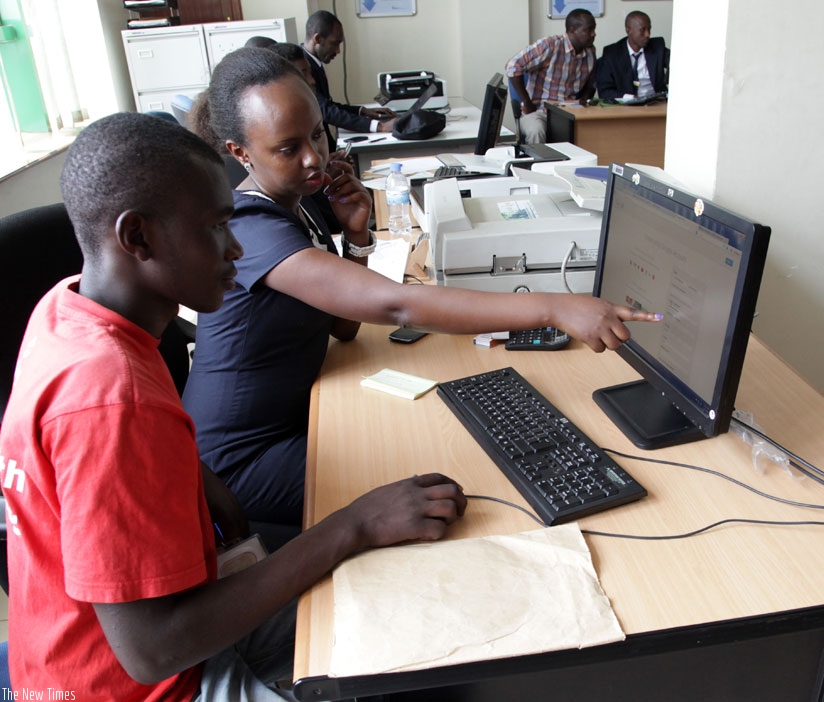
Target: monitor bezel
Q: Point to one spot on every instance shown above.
(712, 418)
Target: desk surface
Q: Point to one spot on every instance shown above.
(730, 572)
(599, 112)
(460, 133)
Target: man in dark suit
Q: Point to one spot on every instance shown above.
(637, 66)
(324, 36)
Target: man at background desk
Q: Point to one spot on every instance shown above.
(558, 68)
(636, 66)
(324, 35)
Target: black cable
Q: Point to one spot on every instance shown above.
(343, 59)
(716, 473)
(701, 530)
(666, 537)
(508, 504)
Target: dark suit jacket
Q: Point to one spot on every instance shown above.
(614, 68)
(343, 116)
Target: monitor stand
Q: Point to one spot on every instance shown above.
(645, 416)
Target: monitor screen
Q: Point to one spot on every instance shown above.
(492, 114)
(664, 250)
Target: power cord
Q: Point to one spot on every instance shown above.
(564, 263)
(695, 532)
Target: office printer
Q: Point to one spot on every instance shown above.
(398, 90)
(515, 233)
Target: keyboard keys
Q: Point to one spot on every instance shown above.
(554, 465)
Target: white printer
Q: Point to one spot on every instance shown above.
(519, 233)
(399, 90)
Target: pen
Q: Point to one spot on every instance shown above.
(347, 149)
(219, 533)
(375, 141)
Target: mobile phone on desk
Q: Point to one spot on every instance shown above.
(406, 336)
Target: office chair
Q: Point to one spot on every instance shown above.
(515, 100)
(181, 105)
(40, 249)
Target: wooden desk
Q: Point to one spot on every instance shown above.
(617, 133)
(726, 615)
(459, 135)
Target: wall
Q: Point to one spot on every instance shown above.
(37, 184)
(272, 9)
(610, 27)
(464, 41)
(753, 147)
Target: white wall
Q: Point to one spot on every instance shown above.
(37, 184)
(752, 145)
(609, 28)
(464, 41)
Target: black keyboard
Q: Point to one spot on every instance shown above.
(448, 171)
(542, 339)
(553, 464)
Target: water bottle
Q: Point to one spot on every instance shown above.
(397, 198)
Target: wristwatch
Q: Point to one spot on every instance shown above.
(360, 251)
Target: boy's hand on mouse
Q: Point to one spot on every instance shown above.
(415, 509)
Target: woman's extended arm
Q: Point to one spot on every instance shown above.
(351, 291)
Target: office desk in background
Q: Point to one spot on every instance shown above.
(617, 133)
(736, 613)
(459, 135)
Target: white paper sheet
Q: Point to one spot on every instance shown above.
(389, 259)
(427, 605)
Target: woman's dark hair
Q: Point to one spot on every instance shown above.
(238, 71)
(199, 121)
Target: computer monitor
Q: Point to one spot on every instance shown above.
(492, 114)
(664, 250)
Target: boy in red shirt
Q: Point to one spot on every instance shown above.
(111, 548)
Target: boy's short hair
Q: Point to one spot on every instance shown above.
(125, 161)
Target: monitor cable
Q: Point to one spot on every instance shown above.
(695, 532)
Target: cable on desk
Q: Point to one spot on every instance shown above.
(665, 537)
(507, 503)
(701, 530)
(716, 473)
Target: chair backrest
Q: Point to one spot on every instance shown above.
(39, 249)
(515, 100)
(181, 106)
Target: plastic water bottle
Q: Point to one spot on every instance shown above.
(397, 198)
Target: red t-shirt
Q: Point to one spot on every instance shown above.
(104, 493)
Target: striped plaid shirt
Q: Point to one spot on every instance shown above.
(552, 69)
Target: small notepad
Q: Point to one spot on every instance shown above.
(401, 384)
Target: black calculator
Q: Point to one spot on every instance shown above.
(543, 339)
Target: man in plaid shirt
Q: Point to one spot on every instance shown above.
(554, 69)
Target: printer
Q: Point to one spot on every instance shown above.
(398, 90)
(516, 233)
